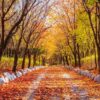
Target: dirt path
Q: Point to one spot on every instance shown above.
(51, 83)
(57, 83)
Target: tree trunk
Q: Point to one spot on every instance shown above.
(67, 62)
(95, 60)
(16, 55)
(15, 62)
(39, 60)
(98, 31)
(79, 57)
(34, 60)
(63, 58)
(75, 50)
(98, 49)
(29, 58)
(23, 62)
(26, 48)
(75, 59)
(24, 57)
(1, 53)
(96, 65)
(43, 61)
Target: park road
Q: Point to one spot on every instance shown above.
(58, 83)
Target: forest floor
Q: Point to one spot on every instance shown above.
(51, 83)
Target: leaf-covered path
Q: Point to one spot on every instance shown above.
(57, 83)
(51, 83)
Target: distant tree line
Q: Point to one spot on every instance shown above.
(80, 22)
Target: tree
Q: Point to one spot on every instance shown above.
(94, 26)
(13, 16)
(35, 27)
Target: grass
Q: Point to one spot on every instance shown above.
(88, 59)
(7, 63)
(87, 62)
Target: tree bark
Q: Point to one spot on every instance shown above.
(24, 56)
(16, 55)
(29, 58)
(34, 59)
(15, 62)
(79, 57)
(96, 65)
(67, 62)
(75, 59)
(1, 53)
(98, 49)
(43, 61)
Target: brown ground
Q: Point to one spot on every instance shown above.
(58, 84)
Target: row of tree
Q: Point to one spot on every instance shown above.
(80, 23)
(22, 24)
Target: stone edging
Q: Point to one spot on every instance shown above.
(86, 73)
(7, 77)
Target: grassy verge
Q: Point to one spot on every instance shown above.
(88, 59)
(7, 62)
